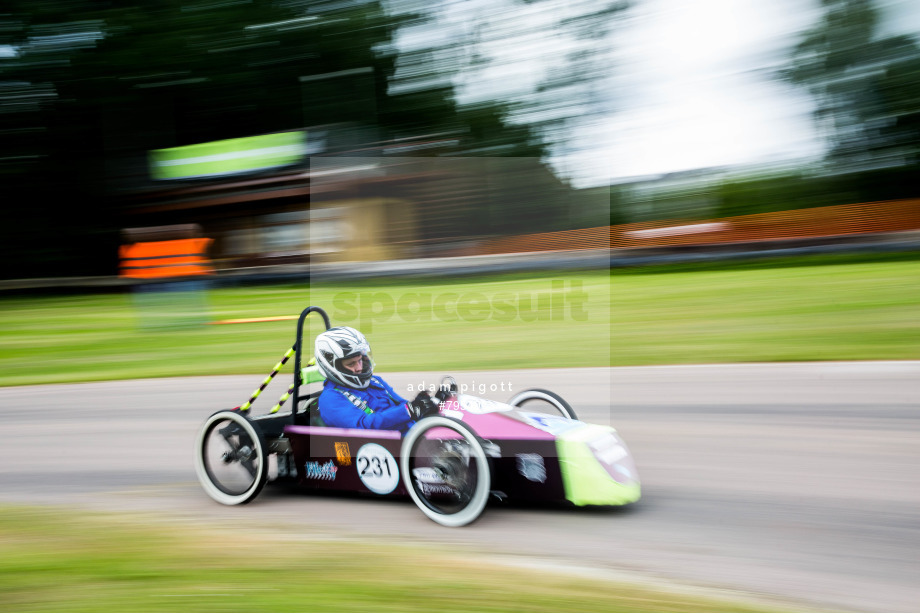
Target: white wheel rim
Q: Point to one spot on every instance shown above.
(213, 491)
(481, 493)
(528, 395)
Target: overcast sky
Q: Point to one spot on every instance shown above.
(691, 83)
(698, 90)
(701, 92)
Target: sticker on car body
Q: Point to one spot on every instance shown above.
(343, 453)
(377, 468)
(321, 471)
(532, 467)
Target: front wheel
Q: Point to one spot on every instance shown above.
(230, 458)
(446, 471)
(542, 401)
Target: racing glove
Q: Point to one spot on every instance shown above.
(443, 393)
(422, 406)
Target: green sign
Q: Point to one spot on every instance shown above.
(229, 157)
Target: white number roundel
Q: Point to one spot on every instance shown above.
(377, 468)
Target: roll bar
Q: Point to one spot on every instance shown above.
(298, 352)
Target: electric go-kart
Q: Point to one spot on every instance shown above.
(450, 464)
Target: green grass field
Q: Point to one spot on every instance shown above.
(812, 309)
(845, 308)
(54, 562)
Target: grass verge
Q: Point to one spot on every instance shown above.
(107, 563)
(821, 308)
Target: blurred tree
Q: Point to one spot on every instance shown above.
(88, 86)
(867, 91)
(531, 79)
(47, 146)
(779, 191)
(577, 92)
(547, 61)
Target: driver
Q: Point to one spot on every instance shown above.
(352, 396)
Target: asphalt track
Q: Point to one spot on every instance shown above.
(796, 483)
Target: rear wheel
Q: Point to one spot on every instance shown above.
(446, 471)
(543, 401)
(230, 458)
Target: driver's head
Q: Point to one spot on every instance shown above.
(344, 356)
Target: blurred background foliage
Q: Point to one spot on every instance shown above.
(87, 87)
(866, 87)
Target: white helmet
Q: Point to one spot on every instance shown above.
(337, 344)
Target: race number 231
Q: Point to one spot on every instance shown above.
(377, 468)
(374, 466)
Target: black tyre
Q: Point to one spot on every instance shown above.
(446, 471)
(230, 458)
(543, 401)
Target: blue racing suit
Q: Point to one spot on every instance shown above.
(374, 407)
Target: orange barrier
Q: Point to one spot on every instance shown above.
(583, 238)
(817, 222)
(165, 259)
